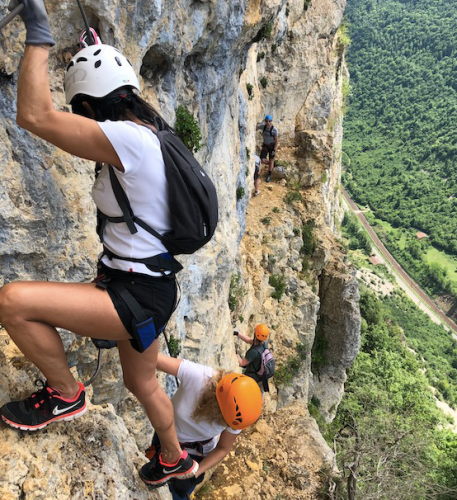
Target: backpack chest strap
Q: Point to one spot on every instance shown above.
(127, 213)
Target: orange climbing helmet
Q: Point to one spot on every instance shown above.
(262, 332)
(239, 399)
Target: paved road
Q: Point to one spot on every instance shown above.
(410, 283)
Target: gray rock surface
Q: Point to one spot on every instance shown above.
(201, 54)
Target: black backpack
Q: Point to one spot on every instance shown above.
(192, 198)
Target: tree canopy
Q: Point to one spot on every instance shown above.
(400, 129)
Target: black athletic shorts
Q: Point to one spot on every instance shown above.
(267, 150)
(156, 295)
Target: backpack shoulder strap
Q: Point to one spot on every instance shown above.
(123, 201)
(158, 123)
(266, 387)
(127, 211)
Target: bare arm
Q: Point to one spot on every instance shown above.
(74, 134)
(242, 361)
(222, 449)
(168, 364)
(245, 338)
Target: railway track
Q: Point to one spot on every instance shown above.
(414, 287)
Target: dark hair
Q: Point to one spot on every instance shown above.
(117, 105)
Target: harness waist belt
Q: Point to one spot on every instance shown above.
(158, 263)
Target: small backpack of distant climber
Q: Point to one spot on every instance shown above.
(267, 367)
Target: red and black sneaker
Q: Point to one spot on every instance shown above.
(156, 472)
(43, 407)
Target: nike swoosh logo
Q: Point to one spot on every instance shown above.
(169, 471)
(58, 411)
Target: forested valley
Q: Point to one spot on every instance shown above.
(400, 147)
(391, 439)
(400, 163)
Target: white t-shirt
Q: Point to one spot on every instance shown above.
(145, 185)
(192, 379)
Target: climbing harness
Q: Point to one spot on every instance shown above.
(102, 344)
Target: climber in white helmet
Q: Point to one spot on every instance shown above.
(112, 126)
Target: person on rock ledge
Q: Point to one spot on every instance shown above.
(257, 172)
(112, 126)
(211, 408)
(252, 360)
(270, 136)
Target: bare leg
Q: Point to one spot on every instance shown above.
(257, 181)
(30, 311)
(27, 311)
(140, 379)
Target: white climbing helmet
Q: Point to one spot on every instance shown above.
(96, 71)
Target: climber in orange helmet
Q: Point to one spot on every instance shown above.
(207, 418)
(253, 359)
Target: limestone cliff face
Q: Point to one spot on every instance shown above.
(204, 55)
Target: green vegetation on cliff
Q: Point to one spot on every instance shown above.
(391, 439)
(400, 133)
(435, 346)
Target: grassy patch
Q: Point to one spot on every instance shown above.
(449, 262)
(174, 346)
(292, 196)
(250, 90)
(266, 31)
(318, 353)
(309, 238)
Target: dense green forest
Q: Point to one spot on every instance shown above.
(391, 440)
(400, 129)
(436, 346)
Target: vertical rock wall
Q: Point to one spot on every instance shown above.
(201, 54)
